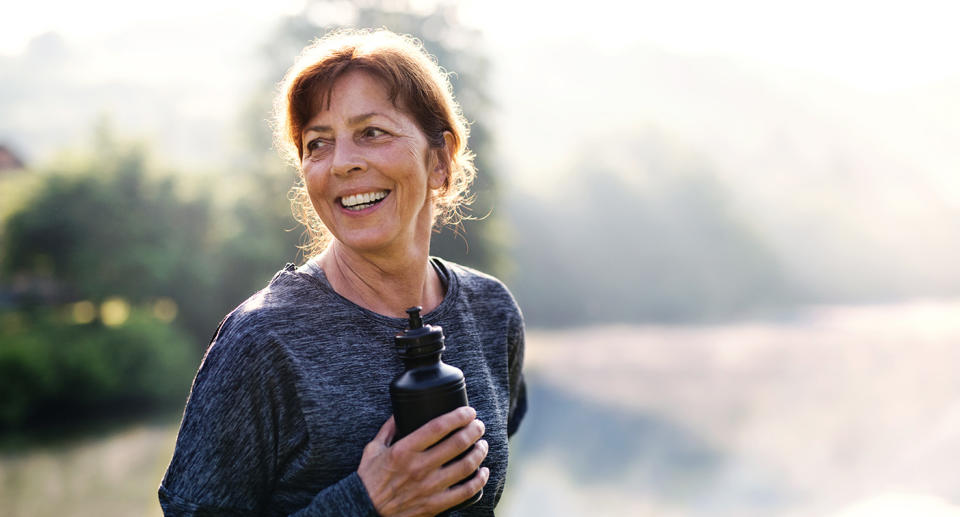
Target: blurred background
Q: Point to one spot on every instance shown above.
(733, 229)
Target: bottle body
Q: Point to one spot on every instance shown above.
(423, 393)
(428, 387)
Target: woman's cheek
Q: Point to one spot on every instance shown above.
(313, 175)
(315, 183)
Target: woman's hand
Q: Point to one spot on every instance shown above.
(409, 478)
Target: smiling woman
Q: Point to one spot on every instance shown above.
(290, 411)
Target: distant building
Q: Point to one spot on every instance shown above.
(8, 160)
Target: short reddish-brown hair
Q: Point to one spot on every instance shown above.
(415, 83)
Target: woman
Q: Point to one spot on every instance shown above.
(289, 413)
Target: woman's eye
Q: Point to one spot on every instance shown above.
(313, 145)
(373, 132)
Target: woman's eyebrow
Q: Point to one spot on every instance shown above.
(357, 119)
(352, 121)
(318, 129)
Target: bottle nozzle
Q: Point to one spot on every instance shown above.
(419, 339)
(415, 321)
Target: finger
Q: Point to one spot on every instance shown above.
(460, 493)
(463, 468)
(386, 432)
(433, 431)
(383, 437)
(455, 444)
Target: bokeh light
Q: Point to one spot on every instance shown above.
(83, 312)
(165, 309)
(114, 311)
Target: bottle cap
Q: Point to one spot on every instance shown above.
(418, 339)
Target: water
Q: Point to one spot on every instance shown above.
(840, 411)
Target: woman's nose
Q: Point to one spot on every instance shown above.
(347, 158)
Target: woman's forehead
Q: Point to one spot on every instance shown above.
(354, 97)
(353, 88)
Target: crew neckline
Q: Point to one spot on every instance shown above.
(318, 277)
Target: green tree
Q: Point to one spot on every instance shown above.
(104, 230)
(100, 226)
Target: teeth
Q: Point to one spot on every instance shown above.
(363, 199)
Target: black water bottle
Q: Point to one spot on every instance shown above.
(428, 387)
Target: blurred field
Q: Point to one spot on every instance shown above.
(841, 411)
(114, 474)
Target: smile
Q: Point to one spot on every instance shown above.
(358, 202)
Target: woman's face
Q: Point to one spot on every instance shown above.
(368, 168)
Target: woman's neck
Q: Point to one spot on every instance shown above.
(386, 284)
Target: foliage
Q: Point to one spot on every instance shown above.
(54, 369)
(107, 225)
(98, 227)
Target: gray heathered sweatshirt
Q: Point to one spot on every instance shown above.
(296, 383)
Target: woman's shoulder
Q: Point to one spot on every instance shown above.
(473, 279)
(274, 306)
(480, 287)
(280, 292)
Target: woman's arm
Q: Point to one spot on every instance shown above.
(243, 420)
(518, 387)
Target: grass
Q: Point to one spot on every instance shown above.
(98, 473)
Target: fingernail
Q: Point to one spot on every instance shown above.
(484, 445)
(483, 427)
(468, 411)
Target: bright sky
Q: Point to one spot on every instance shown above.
(866, 43)
(80, 21)
(860, 42)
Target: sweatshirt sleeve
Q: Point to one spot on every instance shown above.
(518, 387)
(346, 498)
(241, 423)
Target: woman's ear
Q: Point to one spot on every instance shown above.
(440, 175)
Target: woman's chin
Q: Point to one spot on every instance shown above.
(365, 241)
